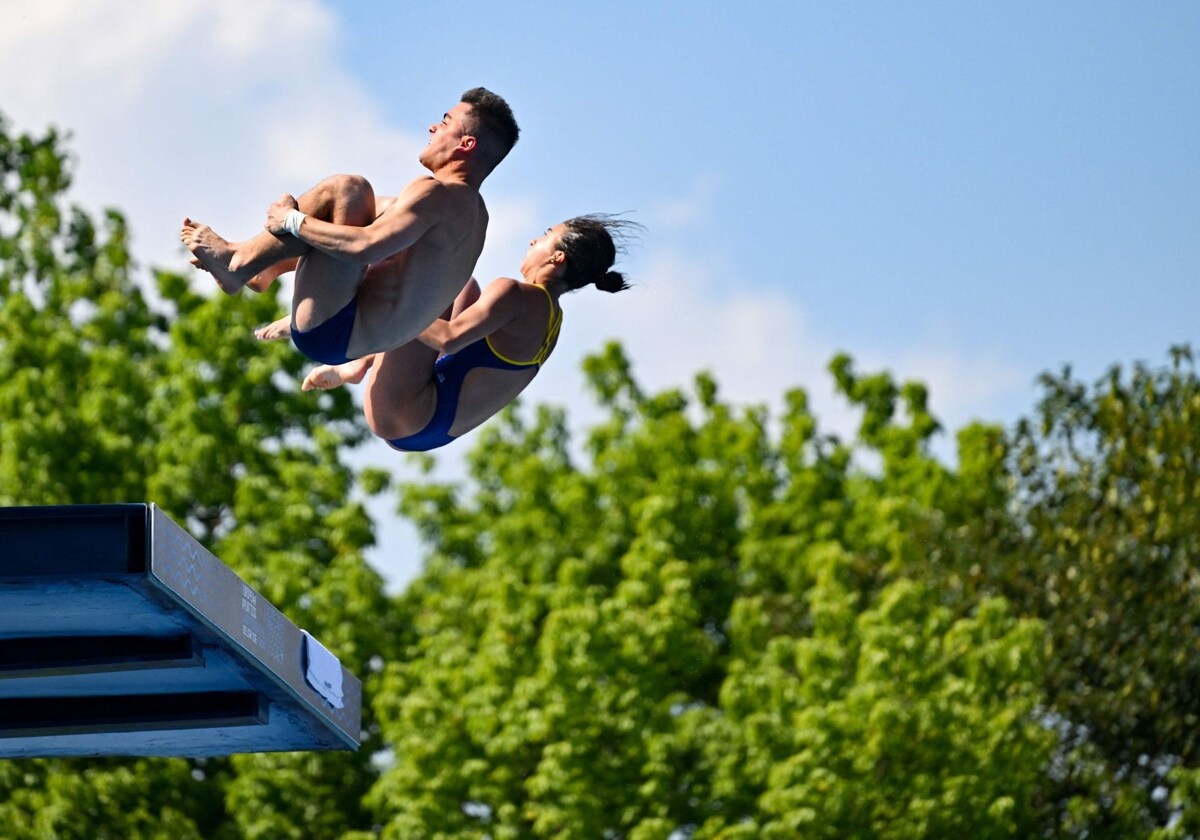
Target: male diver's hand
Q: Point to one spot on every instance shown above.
(278, 211)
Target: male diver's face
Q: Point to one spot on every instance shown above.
(446, 136)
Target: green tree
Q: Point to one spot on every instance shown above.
(1084, 518)
(1109, 479)
(107, 398)
(1112, 485)
(703, 632)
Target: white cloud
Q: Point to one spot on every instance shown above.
(195, 109)
(691, 313)
(686, 314)
(961, 389)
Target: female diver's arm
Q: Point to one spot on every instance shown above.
(497, 305)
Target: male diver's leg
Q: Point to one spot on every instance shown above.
(262, 281)
(342, 199)
(325, 285)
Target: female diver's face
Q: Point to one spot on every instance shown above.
(542, 250)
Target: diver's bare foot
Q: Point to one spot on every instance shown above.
(322, 378)
(275, 330)
(262, 281)
(215, 255)
(325, 377)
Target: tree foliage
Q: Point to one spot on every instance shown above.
(697, 621)
(703, 633)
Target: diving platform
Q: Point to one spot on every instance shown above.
(121, 635)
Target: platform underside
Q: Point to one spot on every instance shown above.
(121, 635)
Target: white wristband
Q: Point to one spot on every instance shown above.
(292, 222)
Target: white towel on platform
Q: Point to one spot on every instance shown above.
(322, 671)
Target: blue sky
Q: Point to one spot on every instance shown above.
(967, 194)
(1017, 178)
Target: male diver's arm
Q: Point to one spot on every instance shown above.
(495, 308)
(404, 221)
(382, 203)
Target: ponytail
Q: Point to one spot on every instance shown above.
(591, 244)
(612, 281)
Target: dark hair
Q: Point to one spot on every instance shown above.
(491, 117)
(591, 243)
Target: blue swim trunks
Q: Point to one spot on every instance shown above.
(327, 342)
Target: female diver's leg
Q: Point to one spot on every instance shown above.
(466, 297)
(401, 395)
(326, 377)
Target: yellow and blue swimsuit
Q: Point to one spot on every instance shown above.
(450, 370)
